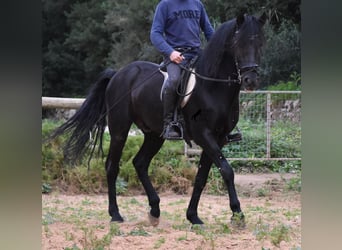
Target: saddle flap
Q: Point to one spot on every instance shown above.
(185, 89)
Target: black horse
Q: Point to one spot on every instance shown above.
(132, 95)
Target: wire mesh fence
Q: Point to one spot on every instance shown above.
(270, 125)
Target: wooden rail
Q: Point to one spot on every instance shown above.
(62, 103)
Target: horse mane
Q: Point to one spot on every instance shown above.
(214, 52)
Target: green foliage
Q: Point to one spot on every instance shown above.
(170, 162)
(76, 50)
(254, 141)
(130, 23)
(294, 184)
(277, 10)
(288, 142)
(139, 231)
(281, 56)
(74, 247)
(169, 169)
(46, 188)
(285, 143)
(292, 84)
(276, 233)
(81, 38)
(88, 31)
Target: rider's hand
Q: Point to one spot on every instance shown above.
(176, 57)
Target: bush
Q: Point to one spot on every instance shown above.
(169, 169)
(169, 163)
(281, 56)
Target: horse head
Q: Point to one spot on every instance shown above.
(247, 43)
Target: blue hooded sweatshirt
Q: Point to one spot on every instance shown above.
(178, 23)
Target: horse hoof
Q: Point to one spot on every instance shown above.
(194, 219)
(238, 220)
(153, 220)
(117, 219)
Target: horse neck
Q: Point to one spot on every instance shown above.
(226, 69)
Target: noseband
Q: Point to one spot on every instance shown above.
(246, 69)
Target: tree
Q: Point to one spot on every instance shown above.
(129, 23)
(83, 37)
(75, 46)
(56, 57)
(89, 38)
(282, 53)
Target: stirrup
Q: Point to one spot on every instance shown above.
(234, 137)
(177, 127)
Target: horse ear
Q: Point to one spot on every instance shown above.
(240, 19)
(262, 19)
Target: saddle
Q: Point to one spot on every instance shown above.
(186, 84)
(184, 89)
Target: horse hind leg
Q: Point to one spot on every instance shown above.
(151, 145)
(112, 170)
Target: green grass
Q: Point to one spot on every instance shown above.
(169, 164)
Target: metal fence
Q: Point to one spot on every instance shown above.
(270, 125)
(269, 122)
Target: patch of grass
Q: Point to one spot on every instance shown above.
(279, 233)
(69, 236)
(181, 225)
(139, 231)
(86, 202)
(276, 234)
(134, 201)
(262, 192)
(91, 241)
(159, 242)
(294, 184)
(261, 230)
(289, 214)
(184, 237)
(175, 203)
(48, 218)
(208, 235)
(74, 247)
(46, 188)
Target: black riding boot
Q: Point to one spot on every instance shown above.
(172, 129)
(234, 137)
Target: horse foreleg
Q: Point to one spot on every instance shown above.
(200, 182)
(212, 150)
(227, 174)
(141, 162)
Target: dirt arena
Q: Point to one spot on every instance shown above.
(272, 209)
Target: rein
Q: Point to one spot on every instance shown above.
(229, 80)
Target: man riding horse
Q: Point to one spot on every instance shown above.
(175, 33)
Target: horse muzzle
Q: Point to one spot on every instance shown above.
(250, 78)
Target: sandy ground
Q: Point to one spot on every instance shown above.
(273, 216)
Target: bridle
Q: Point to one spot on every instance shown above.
(245, 69)
(207, 78)
(251, 67)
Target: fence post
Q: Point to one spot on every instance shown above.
(268, 126)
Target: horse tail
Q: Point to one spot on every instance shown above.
(88, 124)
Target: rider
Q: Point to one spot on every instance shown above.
(175, 32)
